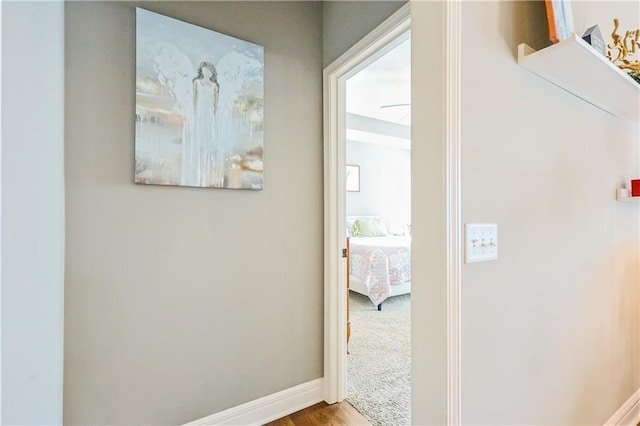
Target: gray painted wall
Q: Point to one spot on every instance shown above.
(181, 302)
(550, 330)
(346, 22)
(32, 212)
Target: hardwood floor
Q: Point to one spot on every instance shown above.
(324, 414)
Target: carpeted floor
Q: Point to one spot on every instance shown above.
(379, 365)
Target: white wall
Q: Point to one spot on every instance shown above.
(428, 236)
(182, 302)
(0, 215)
(32, 211)
(550, 330)
(385, 184)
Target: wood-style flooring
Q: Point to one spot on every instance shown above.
(324, 414)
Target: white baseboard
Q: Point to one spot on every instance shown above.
(268, 408)
(628, 414)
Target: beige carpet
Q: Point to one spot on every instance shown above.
(379, 365)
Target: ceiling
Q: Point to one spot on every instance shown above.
(383, 89)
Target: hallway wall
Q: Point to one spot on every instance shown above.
(182, 302)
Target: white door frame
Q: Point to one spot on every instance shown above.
(378, 42)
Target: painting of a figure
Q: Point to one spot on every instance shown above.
(199, 106)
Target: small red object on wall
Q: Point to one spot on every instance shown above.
(635, 187)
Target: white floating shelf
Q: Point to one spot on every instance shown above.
(623, 194)
(578, 68)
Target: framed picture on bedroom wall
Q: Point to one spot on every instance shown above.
(353, 178)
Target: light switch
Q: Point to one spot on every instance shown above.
(481, 242)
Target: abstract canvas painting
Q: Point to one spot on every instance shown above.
(199, 106)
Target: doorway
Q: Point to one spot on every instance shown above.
(436, 228)
(384, 38)
(378, 224)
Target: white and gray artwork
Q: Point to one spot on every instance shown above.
(199, 106)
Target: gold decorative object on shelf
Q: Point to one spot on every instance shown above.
(626, 47)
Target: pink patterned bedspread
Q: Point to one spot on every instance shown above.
(380, 262)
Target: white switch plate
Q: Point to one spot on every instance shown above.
(481, 242)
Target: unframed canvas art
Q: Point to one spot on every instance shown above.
(199, 106)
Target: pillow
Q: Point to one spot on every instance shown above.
(351, 220)
(368, 228)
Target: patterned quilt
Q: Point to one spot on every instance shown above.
(380, 262)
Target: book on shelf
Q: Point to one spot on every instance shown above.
(560, 19)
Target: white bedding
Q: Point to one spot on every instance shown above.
(380, 263)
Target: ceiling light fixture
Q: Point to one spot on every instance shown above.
(394, 105)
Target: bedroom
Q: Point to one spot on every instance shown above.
(378, 218)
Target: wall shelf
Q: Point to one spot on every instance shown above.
(576, 67)
(623, 194)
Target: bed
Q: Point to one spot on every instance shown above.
(379, 266)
